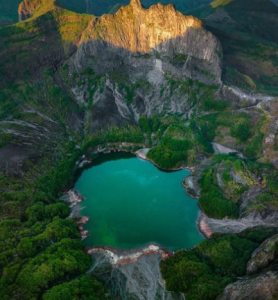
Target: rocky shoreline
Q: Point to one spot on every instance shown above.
(121, 257)
(202, 223)
(74, 198)
(114, 255)
(142, 153)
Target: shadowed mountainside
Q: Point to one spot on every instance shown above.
(247, 30)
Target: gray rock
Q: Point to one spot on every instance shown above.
(263, 256)
(262, 287)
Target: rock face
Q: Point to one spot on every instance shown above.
(140, 280)
(263, 256)
(144, 49)
(141, 30)
(28, 7)
(159, 30)
(148, 48)
(262, 287)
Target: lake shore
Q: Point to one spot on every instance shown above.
(202, 223)
(122, 257)
(76, 198)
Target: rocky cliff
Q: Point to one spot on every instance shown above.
(262, 280)
(159, 30)
(107, 71)
(131, 56)
(135, 54)
(260, 287)
(27, 8)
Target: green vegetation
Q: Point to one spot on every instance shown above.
(250, 174)
(177, 143)
(213, 264)
(85, 288)
(115, 135)
(40, 251)
(170, 152)
(242, 130)
(234, 126)
(212, 201)
(40, 246)
(126, 87)
(226, 180)
(41, 256)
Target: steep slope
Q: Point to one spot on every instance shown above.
(88, 79)
(257, 18)
(161, 30)
(41, 127)
(248, 32)
(162, 41)
(8, 12)
(262, 270)
(141, 50)
(28, 8)
(92, 64)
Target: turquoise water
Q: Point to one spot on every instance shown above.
(131, 203)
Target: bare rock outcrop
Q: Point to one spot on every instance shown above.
(263, 256)
(27, 8)
(152, 47)
(262, 287)
(135, 32)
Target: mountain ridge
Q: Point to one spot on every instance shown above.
(139, 30)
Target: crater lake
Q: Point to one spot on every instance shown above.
(131, 203)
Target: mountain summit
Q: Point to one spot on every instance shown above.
(28, 8)
(159, 30)
(137, 29)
